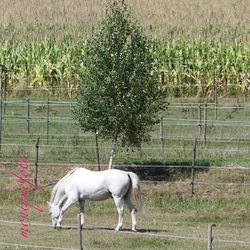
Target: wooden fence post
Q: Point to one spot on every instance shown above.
(47, 121)
(162, 137)
(79, 231)
(4, 90)
(205, 123)
(3, 86)
(28, 115)
(200, 122)
(215, 90)
(1, 123)
(210, 236)
(193, 167)
(36, 162)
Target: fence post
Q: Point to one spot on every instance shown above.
(1, 81)
(97, 151)
(193, 167)
(205, 123)
(215, 90)
(36, 162)
(47, 122)
(4, 90)
(28, 115)
(200, 122)
(3, 86)
(162, 137)
(1, 123)
(210, 236)
(79, 231)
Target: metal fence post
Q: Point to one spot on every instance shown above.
(210, 236)
(79, 231)
(193, 167)
(36, 162)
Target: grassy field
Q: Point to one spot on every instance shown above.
(226, 136)
(170, 213)
(173, 218)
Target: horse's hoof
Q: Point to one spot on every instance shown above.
(59, 227)
(117, 229)
(134, 230)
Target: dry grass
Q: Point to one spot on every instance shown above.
(169, 210)
(160, 17)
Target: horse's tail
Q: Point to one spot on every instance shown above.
(58, 184)
(135, 191)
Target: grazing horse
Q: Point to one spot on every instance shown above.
(81, 184)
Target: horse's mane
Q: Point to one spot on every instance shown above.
(54, 190)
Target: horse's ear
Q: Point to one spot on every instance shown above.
(48, 203)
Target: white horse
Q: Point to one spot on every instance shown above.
(81, 184)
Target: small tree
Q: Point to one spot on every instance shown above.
(119, 95)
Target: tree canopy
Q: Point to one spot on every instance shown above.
(120, 97)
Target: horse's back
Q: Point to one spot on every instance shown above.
(97, 185)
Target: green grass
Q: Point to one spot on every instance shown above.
(226, 145)
(177, 214)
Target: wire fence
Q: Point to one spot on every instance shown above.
(47, 118)
(213, 238)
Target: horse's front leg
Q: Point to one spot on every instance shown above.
(67, 204)
(59, 220)
(82, 211)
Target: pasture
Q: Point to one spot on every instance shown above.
(173, 218)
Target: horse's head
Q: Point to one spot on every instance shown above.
(54, 212)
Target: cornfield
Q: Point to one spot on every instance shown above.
(190, 68)
(198, 44)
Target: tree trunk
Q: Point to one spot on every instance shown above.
(97, 151)
(112, 153)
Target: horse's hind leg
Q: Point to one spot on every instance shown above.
(132, 212)
(119, 205)
(82, 211)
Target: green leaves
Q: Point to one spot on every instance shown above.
(119, 97)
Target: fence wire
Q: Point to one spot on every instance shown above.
(143, 234)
